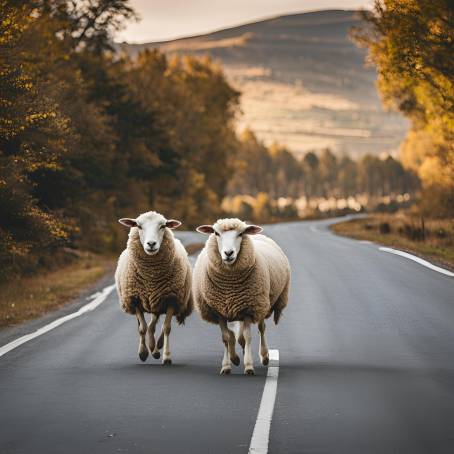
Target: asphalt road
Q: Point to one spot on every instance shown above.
(366, 366)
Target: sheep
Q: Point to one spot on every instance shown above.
(240, 276)
(154, 275)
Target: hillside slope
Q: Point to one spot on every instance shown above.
(303, 81)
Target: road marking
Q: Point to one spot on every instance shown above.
(100, 298)
(418, 260)
(315, 229)
(365, 241)
(261, 434)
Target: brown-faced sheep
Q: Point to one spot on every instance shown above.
(154, 275)
(240, 276)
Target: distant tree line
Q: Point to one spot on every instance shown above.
(277, 172)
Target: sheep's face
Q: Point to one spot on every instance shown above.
(151, 227)
(229, 239)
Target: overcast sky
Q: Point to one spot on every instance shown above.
(167, 19)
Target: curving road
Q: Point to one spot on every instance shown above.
(366, 366)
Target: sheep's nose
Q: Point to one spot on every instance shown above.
(151, 244)
(228, 253)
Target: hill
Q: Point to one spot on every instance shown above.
(304, 82)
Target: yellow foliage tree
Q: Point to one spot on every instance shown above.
(412, 44)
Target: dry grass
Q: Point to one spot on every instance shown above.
(30, 297)
(435, 241)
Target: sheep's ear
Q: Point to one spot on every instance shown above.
(253, 229)
(205, 229)
(128, 222)
(173, 224)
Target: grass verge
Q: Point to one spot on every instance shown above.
(430, 239)
(30, 297)
(25, 298)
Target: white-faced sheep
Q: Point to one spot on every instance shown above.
(240, 276)
(154, 275)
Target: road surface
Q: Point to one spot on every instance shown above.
(366, 366)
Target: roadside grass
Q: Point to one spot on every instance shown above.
(25, 298)
(431, 239)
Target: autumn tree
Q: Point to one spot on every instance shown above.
(311, 166)
(84, 130)
(34, 136)
(411, 42)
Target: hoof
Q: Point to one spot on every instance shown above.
(225, 371)
(249, 371)
(235, 360)
(156, 355)
(265, 360)
(143, 355)
(166, 362)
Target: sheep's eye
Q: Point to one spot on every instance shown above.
(240, 234)
(216, 233)
(139, 227)
(162, 226)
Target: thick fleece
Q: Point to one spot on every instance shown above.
(256, 285)
(155, 282)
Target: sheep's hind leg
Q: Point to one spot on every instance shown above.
(151, 340)
(228, 337)
(166, 327)
(248, 361)
(264, 355)
(143, 350)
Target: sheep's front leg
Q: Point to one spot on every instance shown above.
(264, 356)
(166, 327)
(151, 339)
(229, 336)
(248, 361)
(143, 350)
(226, 363)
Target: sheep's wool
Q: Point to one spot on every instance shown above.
(230, 224)
(156, 281)
(255, 285)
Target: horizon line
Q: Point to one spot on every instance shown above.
(230, 27)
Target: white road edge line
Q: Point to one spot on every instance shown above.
(418, 260)
(261, 435)
(100, 298)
